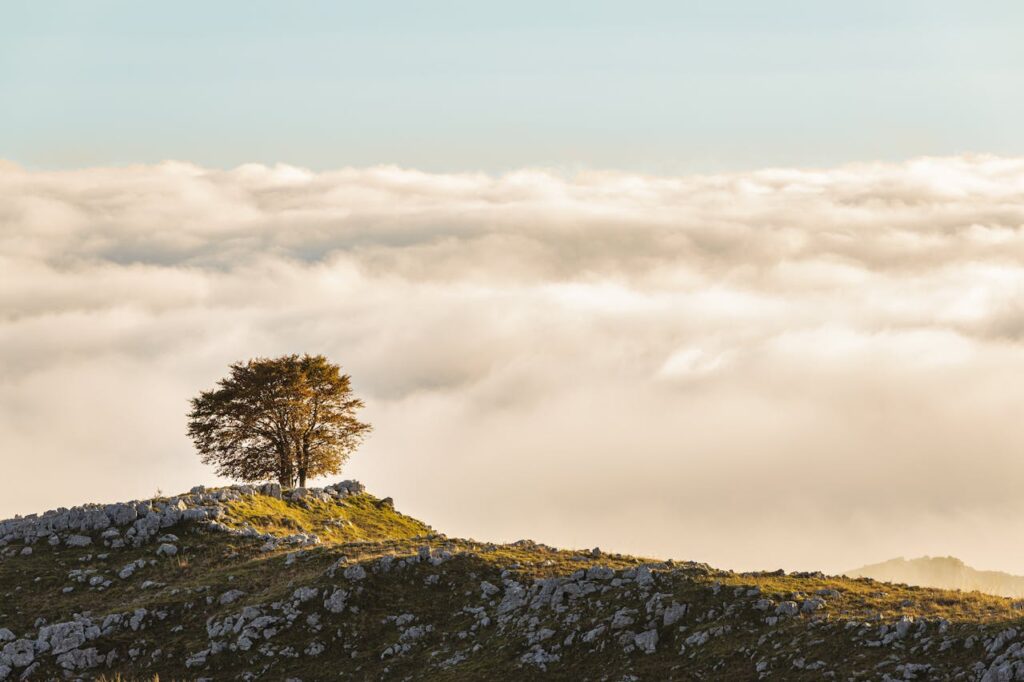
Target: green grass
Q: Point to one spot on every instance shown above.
(361, 518)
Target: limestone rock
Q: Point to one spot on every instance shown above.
(647, 641)
(230, 597)
(355, 572)
(167, 549)
(20, 653)
(673, 614)
(336, 602)
(78, 541)
(813, 604)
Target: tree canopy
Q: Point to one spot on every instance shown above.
(288, 418)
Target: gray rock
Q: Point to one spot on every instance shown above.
(197, 660)
(698, 638)
(345, 488)
(304, 594)
(193, 515)
(600, 573)
(541, 635)
(904, 624)
(78, 541)
(20, 653)
(138, 616)
(336, 602)
(414, 633)
(230, 597)
(674, 613)
(79, 659)
(647, 641)
(813, 604)
(122, 514)
(644, 576)
(1000, 640)
(623, 618)
(63, 636)
(355, 572)
(166, 549)
(129, 569)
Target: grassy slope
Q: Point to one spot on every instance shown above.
(360, 529)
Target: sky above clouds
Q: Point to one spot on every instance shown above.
(779, 368)
(653, 86)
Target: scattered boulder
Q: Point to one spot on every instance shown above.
(647, 641)
(304, 594)
(230, 597)
(336, 602)
(20, 653)
(813, 604)
(128, 570)
(167, 549)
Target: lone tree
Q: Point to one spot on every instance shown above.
(288, 418)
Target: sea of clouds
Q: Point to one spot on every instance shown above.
(795, 368)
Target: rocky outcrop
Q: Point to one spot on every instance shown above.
(138, 522)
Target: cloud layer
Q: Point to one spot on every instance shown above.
(806, 369)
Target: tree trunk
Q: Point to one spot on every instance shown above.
(303, 464)
(285, 471)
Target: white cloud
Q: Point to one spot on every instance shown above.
(692, 362)
(779, 368)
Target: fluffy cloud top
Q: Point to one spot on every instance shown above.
(807, 369)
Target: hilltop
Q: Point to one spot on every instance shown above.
(947, 573)
(333, 583)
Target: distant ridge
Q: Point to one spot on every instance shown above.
(947, 573)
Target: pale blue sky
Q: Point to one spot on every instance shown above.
(444, 85)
